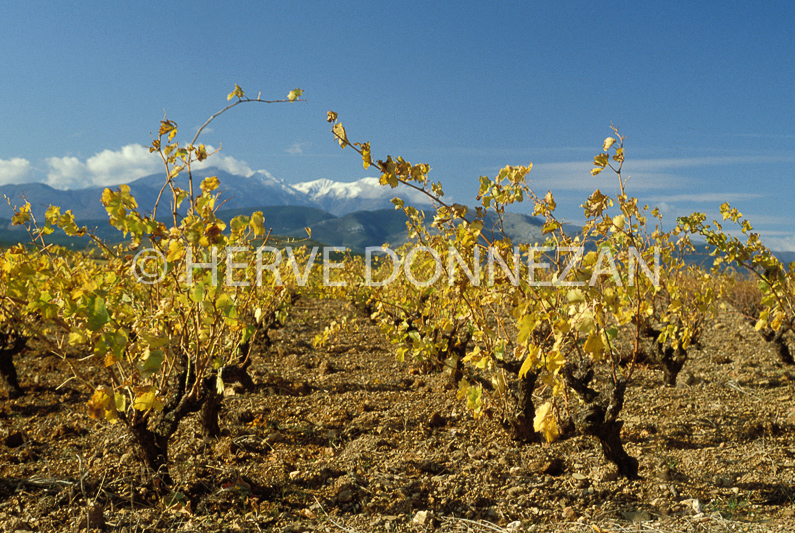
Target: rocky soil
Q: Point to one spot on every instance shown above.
(345, 438)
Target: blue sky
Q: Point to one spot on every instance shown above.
(703, 92)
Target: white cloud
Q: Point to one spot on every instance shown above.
(710, 197)
(296, 148)
(640, 174)
(108, 167)
(66, 173)
(267, 174)
(576, 176)
(708, 161)
(113, 167)
(785, 243)
(15, 170)
(128, 164)
(225, 163)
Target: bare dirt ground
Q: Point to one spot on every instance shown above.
(345, 438)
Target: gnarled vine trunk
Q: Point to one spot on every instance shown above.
(519, 421)
(598, 416)
(777, 338)
(11, 344)
(152, 429)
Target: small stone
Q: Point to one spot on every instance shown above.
(569, 514)
(694, 504)
(607, 475)
(579, 477)
(514, 527)
(345, 496)
(424, 519)
(308, 514)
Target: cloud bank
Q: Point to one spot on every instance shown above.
(16, 170)
(109, 167)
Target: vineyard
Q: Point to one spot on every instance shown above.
(208, 376)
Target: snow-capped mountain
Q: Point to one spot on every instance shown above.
(236, 191)
(363, 195)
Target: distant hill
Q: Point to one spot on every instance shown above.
(354, 215)
(238, 191)
(285, 220)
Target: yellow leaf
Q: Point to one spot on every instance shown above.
(210, 184)
(594, 345)
(545, 422)
(575, 296)
(339, 133)
(256, 223)
(102, 404)
(77, 337)
(608, 143)
(331, 116)
(237, 92)
(600, 160)
(366, 159)
(175, 251)
(530, 360)
(148, 400)
(294, 94)
(555, 361)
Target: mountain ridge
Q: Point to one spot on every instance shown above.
(354, 214)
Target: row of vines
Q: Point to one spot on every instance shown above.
(171, 317)
(569, 319)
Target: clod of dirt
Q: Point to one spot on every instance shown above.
(14, 439)
(436, 420)
(325, 368)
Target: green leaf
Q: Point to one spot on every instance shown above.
(226, 305)
(239, 223)
(151, 364)
(97, 313)
(197, 293)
